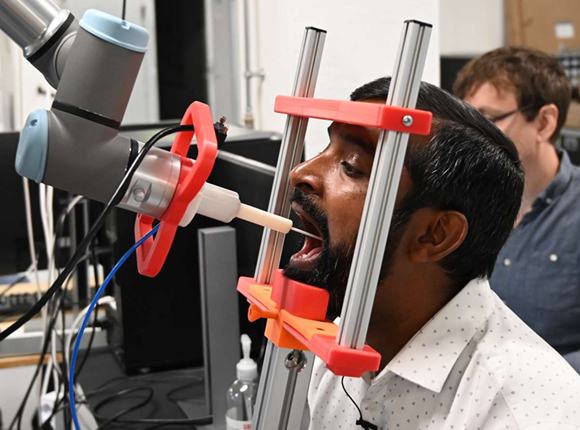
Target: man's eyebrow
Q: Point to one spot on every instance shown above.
(351, 138)
(358, 141)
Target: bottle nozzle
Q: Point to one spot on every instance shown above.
(246, 345)
(247, 368)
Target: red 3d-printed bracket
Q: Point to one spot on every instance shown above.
(296, 315)
(358, 113)
(152, 253)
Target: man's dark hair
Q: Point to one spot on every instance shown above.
(536, 78)
(466, 165)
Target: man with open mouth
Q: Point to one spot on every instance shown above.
(452, 354)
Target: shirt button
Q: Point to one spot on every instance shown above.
(507, 262)
(553, 258)
(548, 200)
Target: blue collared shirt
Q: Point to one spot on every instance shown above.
(537, 273)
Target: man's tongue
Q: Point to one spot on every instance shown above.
(313, 252)
(307, 256)
(311, 247)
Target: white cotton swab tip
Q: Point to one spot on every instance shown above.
(305, 233)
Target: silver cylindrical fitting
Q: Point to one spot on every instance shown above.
(30, 23)
(153, 184)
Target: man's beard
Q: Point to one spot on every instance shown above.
(332, 267)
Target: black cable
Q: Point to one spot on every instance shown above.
(167, 421)
(155, 422)
(79, 252)
(59, 230)
(121, 393)
(77, 256)
(52, 321)
(18, 417)
(107, 387)
(95, 320)
(66, 415)
(57, 402)
(59, 407)
(360, 422)
(89, 346)
(124, 10)
(104, 385)
(178, 389)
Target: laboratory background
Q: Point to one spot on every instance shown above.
(148, 154)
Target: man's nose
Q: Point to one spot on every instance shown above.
(307, 176)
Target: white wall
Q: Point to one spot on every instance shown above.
(22, 88)
(8, 75)
(470, 27)
(361, 45)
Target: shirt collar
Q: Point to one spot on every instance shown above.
(429, 356)
(559, 184)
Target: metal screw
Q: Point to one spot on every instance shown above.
(407, 120)
(295, 360)
(139, 194)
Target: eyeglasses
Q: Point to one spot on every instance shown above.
(508, 114)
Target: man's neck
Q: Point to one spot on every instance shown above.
(540, 170)
(402, 308)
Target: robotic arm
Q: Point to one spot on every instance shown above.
(76, 145)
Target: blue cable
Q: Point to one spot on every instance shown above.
(98, 294)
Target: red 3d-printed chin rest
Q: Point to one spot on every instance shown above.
(296, 315)
(152, 253)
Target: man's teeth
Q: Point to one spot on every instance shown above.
(310, 253)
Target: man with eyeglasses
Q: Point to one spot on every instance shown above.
(526, 93)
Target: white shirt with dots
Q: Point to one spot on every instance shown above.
(475, 365)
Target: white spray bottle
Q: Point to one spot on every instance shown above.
(241, 395)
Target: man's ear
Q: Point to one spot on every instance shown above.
(547, 122)
(435, 234)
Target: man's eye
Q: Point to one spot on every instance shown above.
(349, 169)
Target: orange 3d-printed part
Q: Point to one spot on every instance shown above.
(296, 315)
